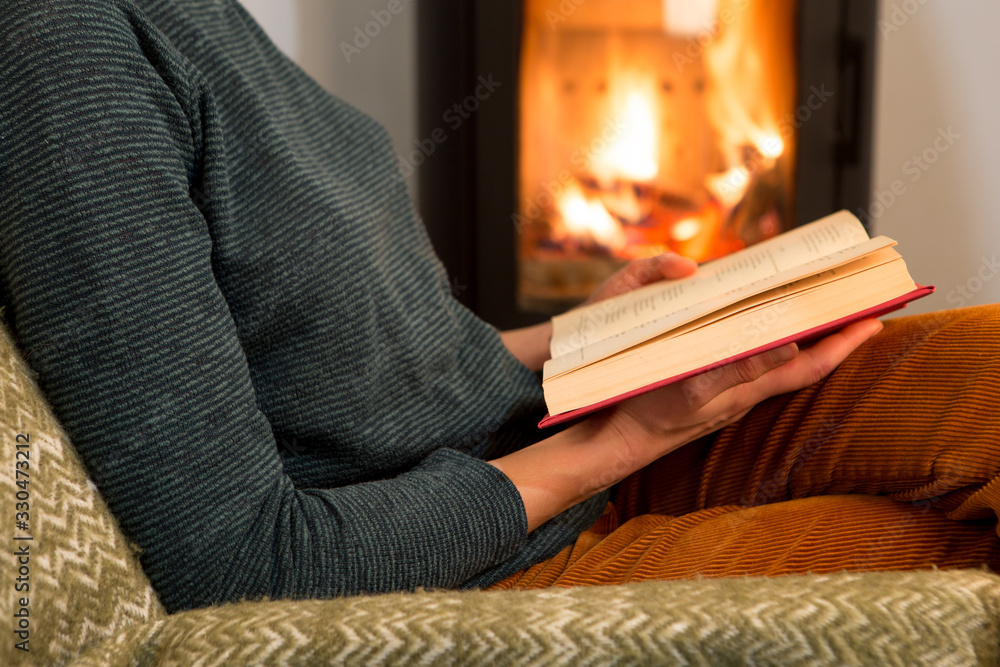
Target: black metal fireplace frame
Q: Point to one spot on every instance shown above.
(468, 184)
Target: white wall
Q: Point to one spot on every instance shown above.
(939, 68)
(380, 78)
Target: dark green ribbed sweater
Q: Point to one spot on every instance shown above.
(216, 272)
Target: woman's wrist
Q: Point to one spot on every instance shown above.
(529, 345)
(569, 467)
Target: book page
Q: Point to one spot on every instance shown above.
(783, 291)
(727, 275)
(875, 252)
(699, 345)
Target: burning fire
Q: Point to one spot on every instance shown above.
(589, 219)
(621, 193)
(633, 153)
(698, 163)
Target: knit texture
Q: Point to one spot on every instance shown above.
(216, 272)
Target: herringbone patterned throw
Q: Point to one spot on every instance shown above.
(945, 618)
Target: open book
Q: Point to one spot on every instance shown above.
(797, 286)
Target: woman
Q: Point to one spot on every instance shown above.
(216, 271)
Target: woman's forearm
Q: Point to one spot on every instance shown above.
(569, 467)
(530, 344)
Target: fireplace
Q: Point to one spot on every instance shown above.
(570, 136)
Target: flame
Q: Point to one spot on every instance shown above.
(632, 154)
(729, 187)
(772, 146)
(746, 90)
(584, 218)
(686, 229)
(740, 113)
(686, 18)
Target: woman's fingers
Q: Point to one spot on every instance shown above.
(673, 266)
(660, 421)
(812, 364)
(778, 371)
(704, 388)
(639, 272)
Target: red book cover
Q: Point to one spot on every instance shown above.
(804, 337)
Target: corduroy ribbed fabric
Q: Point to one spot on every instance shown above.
(890, 463)
(215, 270)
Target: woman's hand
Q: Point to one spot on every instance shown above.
(640, 272)
(531, 344)
(657, 422)
(600, 451)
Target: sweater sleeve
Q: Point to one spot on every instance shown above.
(107, 263)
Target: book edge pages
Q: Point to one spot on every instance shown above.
(739, 329)
(804, 336)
